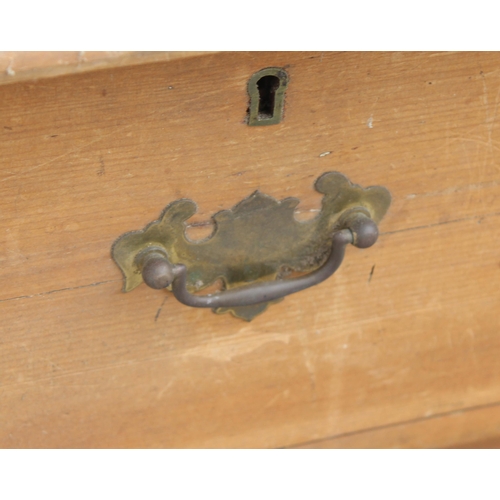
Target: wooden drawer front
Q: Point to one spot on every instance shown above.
(400, 344)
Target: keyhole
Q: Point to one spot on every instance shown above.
(266, 89)
(267, 86)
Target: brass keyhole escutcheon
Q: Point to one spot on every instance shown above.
(266, 89)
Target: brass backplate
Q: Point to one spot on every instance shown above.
(259, 239)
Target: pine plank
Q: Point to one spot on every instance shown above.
(92, 367)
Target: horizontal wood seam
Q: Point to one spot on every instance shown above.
(396, 424)
(479, 217)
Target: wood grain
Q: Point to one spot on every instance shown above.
(92, 156)
(133, 370)
(405, 330)
(21, 66)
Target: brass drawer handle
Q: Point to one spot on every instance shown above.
(157, 272)
(254, 247)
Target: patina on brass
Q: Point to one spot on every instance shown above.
(258, 240)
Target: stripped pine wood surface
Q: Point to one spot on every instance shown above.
(398, 349)
(22, 66)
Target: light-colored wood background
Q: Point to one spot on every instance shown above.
(21, 66)
(399, 349)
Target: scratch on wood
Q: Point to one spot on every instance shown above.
(456, 189)
(160, 308)
(371, 273)
(102, 169)
(161, 392)
(72, 151)
(58, 290)
(40, 165)
(312, 374)
(273, 400)
(476, 217)
(9, 70)
(242, 343)
(440, 54)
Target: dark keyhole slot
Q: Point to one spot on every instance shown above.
(267, 86)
